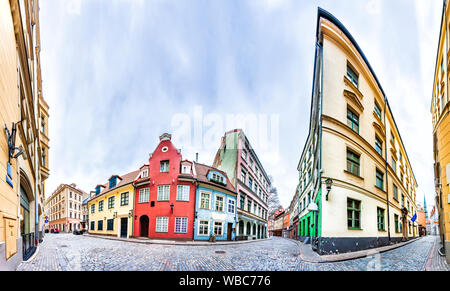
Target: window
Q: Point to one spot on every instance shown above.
(218, 228)
(403, 200)
(395, 192)
(92, 225)
(379, 145)
(397, 228)
(380, 218)
(185, 169)
(163, 192)
(144, 173)
(250, 182)
(100, 225)
(111, 202)
(249, 205)
(162, 224)
(205, 199)
(377, 110)
(379, 179)
(183, 193)
(394, 165)
(352, 76)
(243, 176)
(164, 166)
(93, 208)
(110, 224)
(219, 203)
(203, 228)
(392, 138)
(353, 163)
(353, 120)
(242, 202)
(181, 224)
(124, 199)
(144, 195)
(112, 182)
(244, 155)
(353, 214)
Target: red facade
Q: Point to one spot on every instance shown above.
(146, 213)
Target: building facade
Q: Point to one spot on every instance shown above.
(64, 208)
(165, 202)
(215, 204)
(111, 208)
(239, 161)
(441, 122)
(23, 166)
(278, 219)
(357, 188)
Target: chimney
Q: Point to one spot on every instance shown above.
(165, 136)
(196, 158)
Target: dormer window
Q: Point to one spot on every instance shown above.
(186, 169)
(112, 182)
(144, 173)
(218, 178)
(98, 189)
(164, 167)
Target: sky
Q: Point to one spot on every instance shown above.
(119, 73)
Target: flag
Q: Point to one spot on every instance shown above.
(413, 219)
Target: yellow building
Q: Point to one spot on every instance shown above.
(441, 130)
(111, 208)
(22, 174)
(357, 189)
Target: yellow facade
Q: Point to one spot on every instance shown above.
(118, 212)
(21, 97)
(441, 131)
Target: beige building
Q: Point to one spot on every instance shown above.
(366, 191)
(441, 138)
(64, 208)
(24, 143)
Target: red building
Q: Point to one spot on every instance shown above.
(165, 195)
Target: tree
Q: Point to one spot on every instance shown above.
(273, 201)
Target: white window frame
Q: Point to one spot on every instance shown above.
(185, 169)
(222, 226)
(160, 197)
(208, 227)
(144, 193)
(164, 169)
(209, 199)
(229, 200)
(223, 203)
(158, 226)
(183, 196)
(175, 224)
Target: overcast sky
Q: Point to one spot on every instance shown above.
(119, 73)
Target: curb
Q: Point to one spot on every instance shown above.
(169, 243)
(33, 256)
(368, 253)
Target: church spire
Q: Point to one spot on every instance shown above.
(425, 206)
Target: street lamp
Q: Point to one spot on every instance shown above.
(329, 183)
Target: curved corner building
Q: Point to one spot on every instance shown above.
(441, 132)
(357, 189)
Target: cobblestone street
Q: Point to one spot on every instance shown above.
(70, 252)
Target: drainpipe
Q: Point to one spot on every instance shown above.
(36, 179)
(320, 134)
(386, 168)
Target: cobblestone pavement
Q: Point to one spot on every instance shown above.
(435, 261)
(70, 252)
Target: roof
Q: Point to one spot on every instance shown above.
(125, 179)
(326, 15)
(202, 176)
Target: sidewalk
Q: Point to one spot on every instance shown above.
(170, 242)
(310, 256)
(435, 261)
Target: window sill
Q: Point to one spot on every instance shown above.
(352, 228)
(353, 175)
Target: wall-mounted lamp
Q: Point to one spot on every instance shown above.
(130, 213)
(115, 215)
(329, 183)
(171, 207)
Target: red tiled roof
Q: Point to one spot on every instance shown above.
(125, 179)
(202, 176)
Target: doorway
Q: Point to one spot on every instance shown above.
(143, 221)
(229, 231)
(124, 227)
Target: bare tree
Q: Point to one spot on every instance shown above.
(273, 200)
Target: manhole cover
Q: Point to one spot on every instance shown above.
(63, 246)
(220, 252)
